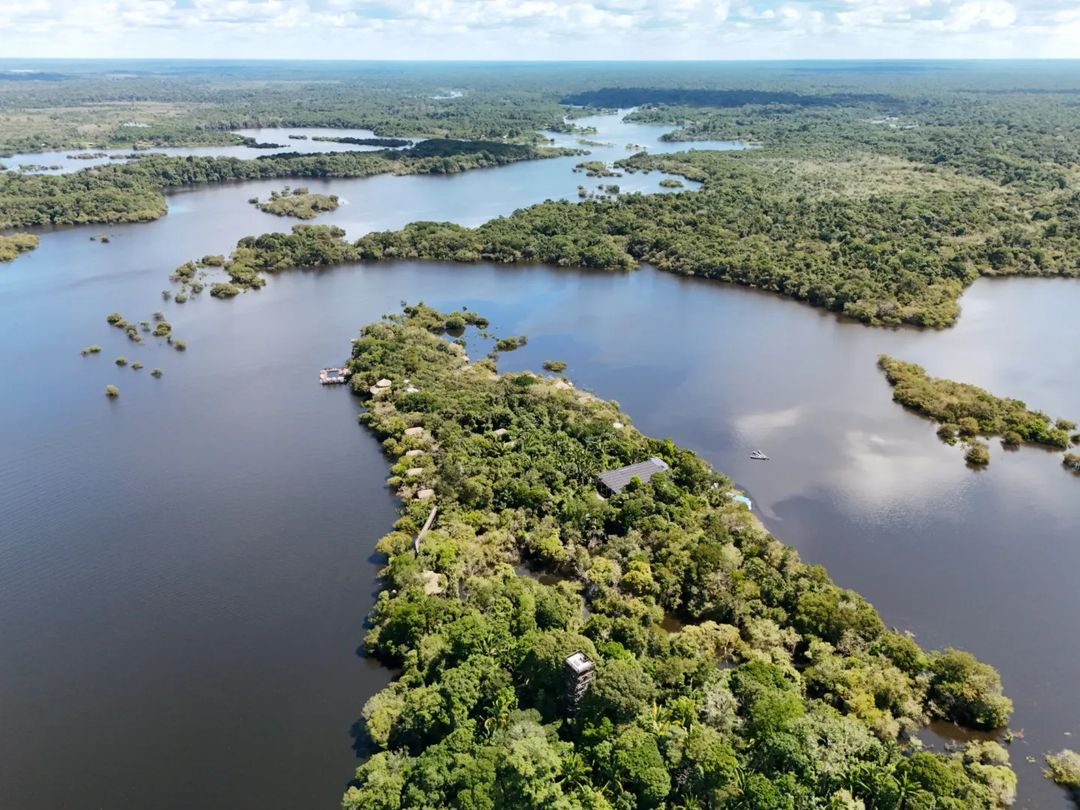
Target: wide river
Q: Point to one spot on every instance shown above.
(184, 572)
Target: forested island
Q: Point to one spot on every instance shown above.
(133, 192)
(966, 412)
(777, 689)
(14, 244)
(297, 202)
(392, 143)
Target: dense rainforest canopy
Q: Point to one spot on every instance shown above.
(728, 673)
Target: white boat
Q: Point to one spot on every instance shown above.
(759, 456)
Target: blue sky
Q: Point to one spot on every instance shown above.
(541, 29)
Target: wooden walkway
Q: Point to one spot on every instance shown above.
(424, 530)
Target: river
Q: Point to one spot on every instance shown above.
(184, 571)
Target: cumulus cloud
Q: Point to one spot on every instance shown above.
(539, 29)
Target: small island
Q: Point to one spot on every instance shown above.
(384, 143)
(297, 202)
(965, 412)
(596, 168)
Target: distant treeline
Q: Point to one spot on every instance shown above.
(132, 192)
(622, 97)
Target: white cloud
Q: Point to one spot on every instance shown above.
(538, 29)
(991, 13)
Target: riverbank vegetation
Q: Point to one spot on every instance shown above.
(297, 202)
(965, 411)
(14, 244)
(779, 689)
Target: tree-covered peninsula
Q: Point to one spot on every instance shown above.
(132, 192)
(886, 242)
(965, 411)
(14, 244)
(767, 686)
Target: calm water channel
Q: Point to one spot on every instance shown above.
(184, 571)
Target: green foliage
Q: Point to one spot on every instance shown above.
(596, 168)
(91, 349)
(969, 410)
(508, 344)
(156, 373)
(112, 391)
(14, 244)
(121, 361)
(967, 691)
(977, 453)
(555, 366)
(1063, 768)
(224, 290)
(1071, 461)
(298, 203)
(778, 690)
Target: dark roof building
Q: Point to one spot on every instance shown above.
(614, 480)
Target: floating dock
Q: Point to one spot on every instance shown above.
(333, 376)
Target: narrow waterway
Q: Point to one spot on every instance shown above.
(184, 571)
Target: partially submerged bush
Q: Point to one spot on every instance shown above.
(1063, 768)
(1071, 461)
(947, 432)
(555, 365)
(156, 372)
(508, 344)
(112, 391)
(91, 349)
(978, 453)
(224, 290)
(121, 361)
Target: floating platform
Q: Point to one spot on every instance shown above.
(333, 376)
